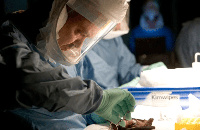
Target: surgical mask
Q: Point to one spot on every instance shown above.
(151, 19)
(151, 16)
(103, 16)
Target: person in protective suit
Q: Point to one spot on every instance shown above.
(151, 25)
(187, 43)
(112, 58)
(34, 44)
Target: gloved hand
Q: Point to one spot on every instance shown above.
(116, 103)
(155, 65)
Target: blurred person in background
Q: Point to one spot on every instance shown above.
(151, 25)
(188, 43)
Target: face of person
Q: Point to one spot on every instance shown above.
(75, 31)
(151, 23)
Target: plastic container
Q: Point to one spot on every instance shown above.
(164, 96)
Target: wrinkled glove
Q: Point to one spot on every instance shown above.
(116, 103)
(155, 65)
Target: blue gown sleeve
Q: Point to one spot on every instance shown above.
(128, 68)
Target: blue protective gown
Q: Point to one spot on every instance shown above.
(43, 82)
(139, 32)
(151, 25)
(42, 119)
(39, 92)
(109, 63)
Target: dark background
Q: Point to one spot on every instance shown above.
(175, 12)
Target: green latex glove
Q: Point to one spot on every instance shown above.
(116, 103)
(132, 83)
(155, 65)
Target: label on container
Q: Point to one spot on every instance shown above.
(164, 99)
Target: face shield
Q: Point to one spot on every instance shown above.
(121, 28)
(78, 26)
